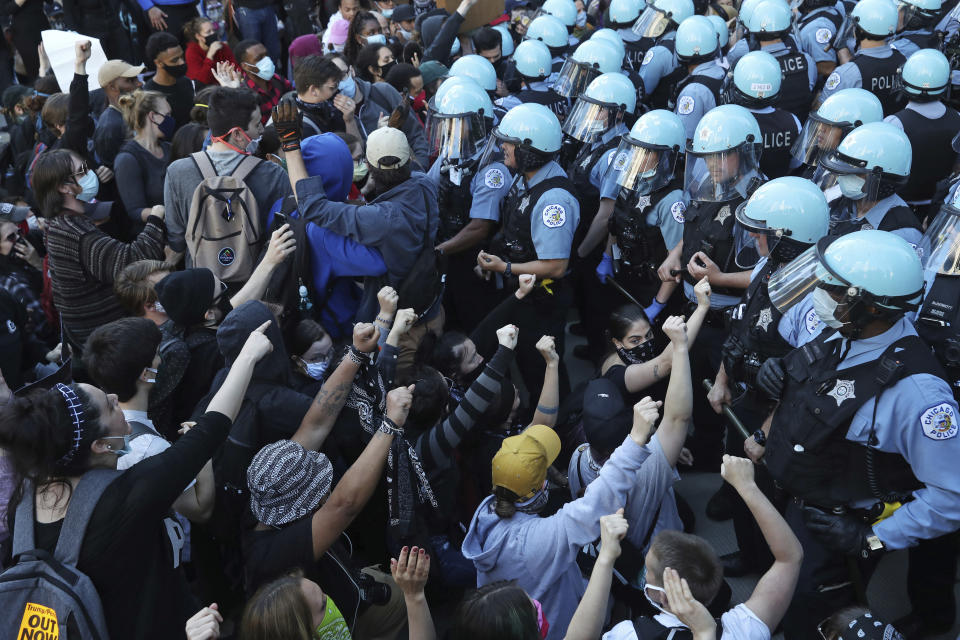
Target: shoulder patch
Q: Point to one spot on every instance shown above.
(677, 209)
(11, 326)
(554, 215)
(621, 161)
(823, 36)
(812, 322)
(647, 57)
(685, 105)
(939, 422)
(493, 178)
(832, 82)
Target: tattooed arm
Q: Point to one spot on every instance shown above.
(319, 419)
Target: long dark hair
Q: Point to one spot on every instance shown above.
(500, 610)
(51, 170)
(351, 48)
(369, 56)
(440, 352)
(619, 322)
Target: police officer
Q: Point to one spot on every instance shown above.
(532, 63)
(597, 123)
(622, 15)
(928, 123)
(696, 48)
(468, 194)
(783, 218)
(478, 69)
(721, 171)
(723, 35)
(756, 85)
(659, 71)
(818, 23)
(839, 114)
(769, 25)
(566, 12)
(875, 65)
(870, 166)
(915, 32)
(611, 36)
(591, 59)
(538, 218)
(552, 33)
(866, 421)
(648, 210)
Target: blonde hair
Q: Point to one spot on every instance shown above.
(278, 610)
(135, 107)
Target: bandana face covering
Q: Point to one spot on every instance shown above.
(333, 626)
(535, 504)
(639, 354)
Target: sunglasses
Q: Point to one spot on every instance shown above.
(82, 171)
(13, 237)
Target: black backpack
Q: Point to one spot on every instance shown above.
(423, 285)
(283, 288)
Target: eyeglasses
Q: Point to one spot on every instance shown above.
(82, 171)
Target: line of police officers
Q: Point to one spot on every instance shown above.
(657, 153)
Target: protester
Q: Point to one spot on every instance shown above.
(204, 50)
(165, 53)
(142, 162)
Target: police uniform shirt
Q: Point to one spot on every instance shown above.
(929, 110)
(875, 215)
(800, 324)
(917, 418)
(556, 66)
(604, 163)
(658, 63)
(487, 188)
(740, 623)
(511, 101)
(794, 163)
(667, 214)
(628, 36)
(905, 45)
(848, 76)
(653, 490)
(775, 49)
(816, 35)
(696, 99)
(554, 217)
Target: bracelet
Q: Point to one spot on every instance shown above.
(390, 428)
(546, 410)
(508, 271)
(383, 321)
(358, 357)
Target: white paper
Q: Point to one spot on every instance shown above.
(59, 46)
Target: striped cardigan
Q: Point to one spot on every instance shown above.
(83, 263)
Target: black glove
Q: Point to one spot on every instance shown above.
(837, 532)
(287, 119)
(770, 377)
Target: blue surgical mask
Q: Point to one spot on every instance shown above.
(126, 445)
(851, 186)
(348, 86)
(265, 68)
(644, 586)
(377, 38)
(316, 369)
(90, 185)
(825, 307)
(253, 146)
(386, 13)
(581, 19)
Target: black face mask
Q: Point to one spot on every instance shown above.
(498, 67)
(210, 39)
(177, 71)
(639, 354)
(385, 69)
(223, 304)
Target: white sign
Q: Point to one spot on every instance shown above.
(59, 47)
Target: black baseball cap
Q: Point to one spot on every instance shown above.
(606, 417)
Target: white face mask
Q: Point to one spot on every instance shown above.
(581, 19)
(825, 306)
(851, 186)
(315, 369)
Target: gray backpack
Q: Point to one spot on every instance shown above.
(44, 596)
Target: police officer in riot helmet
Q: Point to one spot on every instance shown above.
(781, 219)
(817, 26)
(659, 72)
(468, 194)
(532, 64)
(769, 25)
(865, 433)
(539, 216)
(589, 61)
(622, 14)
(696, 48)
(928, 123)
(870, 166)
(874, 64)
(839, 114)
(756, 85)
(915, 26)
(552, 33)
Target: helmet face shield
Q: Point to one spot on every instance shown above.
(940, 247)
(818, 137)
(588, 120)
(643, 168)
(753, 238)
(574, 78)
(651, 23)
(721, 175)
(910, 16)
(792, 282)
(454, 137)
(856, 182)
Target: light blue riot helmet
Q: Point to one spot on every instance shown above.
(918, 14)
(591, 59)
(874, 19)
(789, 213)
(611, 36)
(746, 10)
(940, 247)
(696, 40)
(769, 19)
(871, 162)
(532, 60)
(723, 157)
(600, 107)
(624, 13)
(506, 45)
(720, 26)
(478, 69)
(855, 278)
(756, 81)
(563, 10)
(450, 83)
(839, 114)
(647, 156)
(925, 76)
(535, 131)
(459, 121)
(661, 16)
(551, 32)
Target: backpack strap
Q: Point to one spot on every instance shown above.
(138, 429)
(82, 503)
(246, 167)
(23, 524)
(204, 165)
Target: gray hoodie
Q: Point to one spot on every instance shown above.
(540, 553)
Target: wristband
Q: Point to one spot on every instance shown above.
(358, 357)
(508, 271)
(383, 321)
(390, 428)
(760, 437)
(291, 144)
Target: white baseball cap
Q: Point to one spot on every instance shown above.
(387, 148)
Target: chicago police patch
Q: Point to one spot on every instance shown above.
(833, 81)
(677, 210)
(823, 36)
(812, 322)
(493, 178)
(939, 422)
(647, 56)
(554, 215)
(685, 105)
(621, 161)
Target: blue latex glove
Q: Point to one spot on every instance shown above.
(605, 268)
(654, 309)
